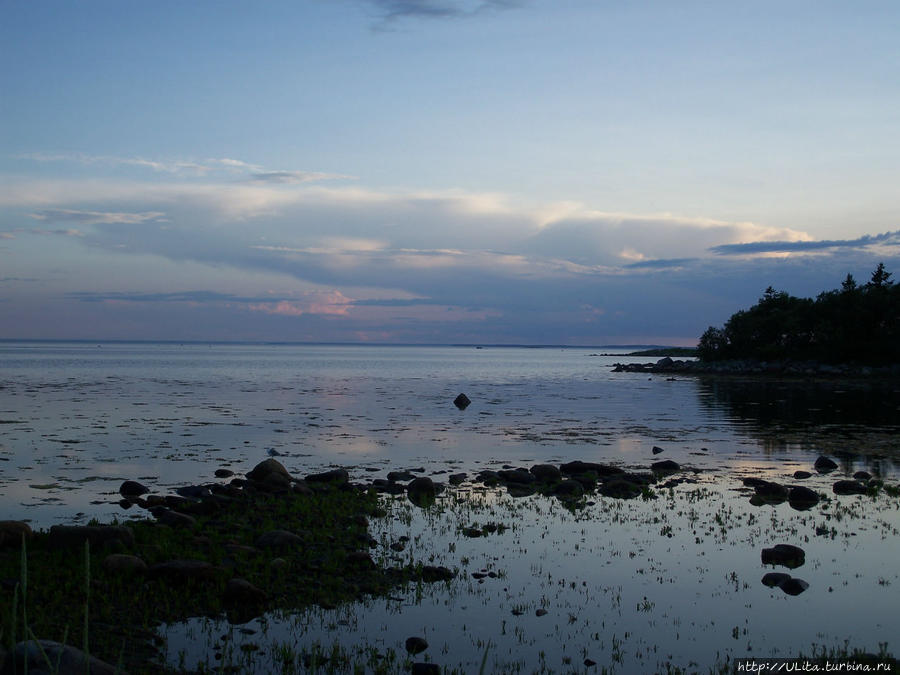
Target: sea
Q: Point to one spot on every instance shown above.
(631, 585)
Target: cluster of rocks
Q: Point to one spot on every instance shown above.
(803, 498)
(667, 365)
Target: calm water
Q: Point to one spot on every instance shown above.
(631, 585)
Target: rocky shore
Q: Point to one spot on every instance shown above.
(669, 366)
(271, 540)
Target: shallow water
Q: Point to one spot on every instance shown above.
(631, 585)
(76, 419)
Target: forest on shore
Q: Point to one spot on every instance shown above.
(856, 323)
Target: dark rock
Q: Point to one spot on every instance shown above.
(849, 487)
(242, 592)
(267, 468)
(824, 465)
(802, 475)
(462, 402)
(568, 490)
(540, 612)
(224, 473)
(421, 491)
(131, 488)
(456, 478)
(579, 467)
(794, 586)
(431, 573)
(416, 645)
(520, 476)
(12, 531)
(801, 497)
(332, 477)
(181, 571)
(665, 466)
(546, 473)
(425, 668)
(786, 555)
(359, 560)
(656, 450)
(772, 491)
(519, 490)
(862, 475)
(620, 488)
(66, 536)
(774, 579)
(754, 482)
(194, 491)
(394, 476)
(66, 660)
(120, 563)
(589, 662)
(173, 518)
(279, 539)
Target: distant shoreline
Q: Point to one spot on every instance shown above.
(745, 367)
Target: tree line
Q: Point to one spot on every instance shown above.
(853, 324)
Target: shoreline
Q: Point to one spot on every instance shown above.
(772, 369)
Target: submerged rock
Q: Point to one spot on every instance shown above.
(794, 586)
(786, 555)
(774, 579)
(416, 645)
(421, 491)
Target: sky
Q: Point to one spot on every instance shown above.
(582, 172)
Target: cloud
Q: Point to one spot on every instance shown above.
(762, 247)
(392, 10)
(313, 302)
(293, 177)
(97, 217)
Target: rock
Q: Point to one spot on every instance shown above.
(12, 531)
(540, 612)
(395, 476)
(224, 473)
(578, 467)
(360, 560)
(520, 476)
(421, 491)
(181, 571)
(620, 488)
(301, 488)
(774, 579)
(131, 488)
(546, 473)
(431, 573)
(754, 482)
(66, 536)
(568, 490)
(794, 586)
(194, 491)
(802, 498)
(802, 475)
(772, 491)
(462, 402)
(267, 468)
(66, 660)
(862, 475)
(656, 450)
(425, 668)
(333, 477)
(786, 555)
(665, 466)
(849, 487)
(278, 539)
(173, 518)
(824, 465)
(456, 478)
(242, 592)
(120, 563)
(416, 645)
(519, 490)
